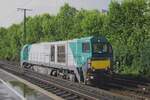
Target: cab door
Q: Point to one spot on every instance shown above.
(85, 51)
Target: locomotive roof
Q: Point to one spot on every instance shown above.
(94, 39)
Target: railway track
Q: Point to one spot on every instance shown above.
(65, 89)
(59, 90)
(134, 87)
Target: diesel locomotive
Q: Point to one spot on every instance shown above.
(82, 59)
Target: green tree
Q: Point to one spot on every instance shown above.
(126, 26)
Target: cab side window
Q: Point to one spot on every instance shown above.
(26, 50)
(85, 47)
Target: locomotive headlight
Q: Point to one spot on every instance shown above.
(91, 77)
(89, 61)
(93, 70)
(87, 79)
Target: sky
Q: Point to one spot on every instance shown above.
(10, 15)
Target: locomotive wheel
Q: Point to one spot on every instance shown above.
(54, 73)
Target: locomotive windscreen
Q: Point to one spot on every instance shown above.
(100, 48)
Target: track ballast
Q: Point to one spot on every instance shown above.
(62, 88)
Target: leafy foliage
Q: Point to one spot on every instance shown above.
(126, 25)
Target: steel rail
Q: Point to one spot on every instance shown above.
(64, 88)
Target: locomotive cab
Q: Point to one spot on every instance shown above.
(101, 56)
(100, 62)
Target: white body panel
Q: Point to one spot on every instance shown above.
(40, 54)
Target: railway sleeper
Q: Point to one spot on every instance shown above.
(53, 89)
(61, 93)
(66, 95)
(57, 91)
(73, 97)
